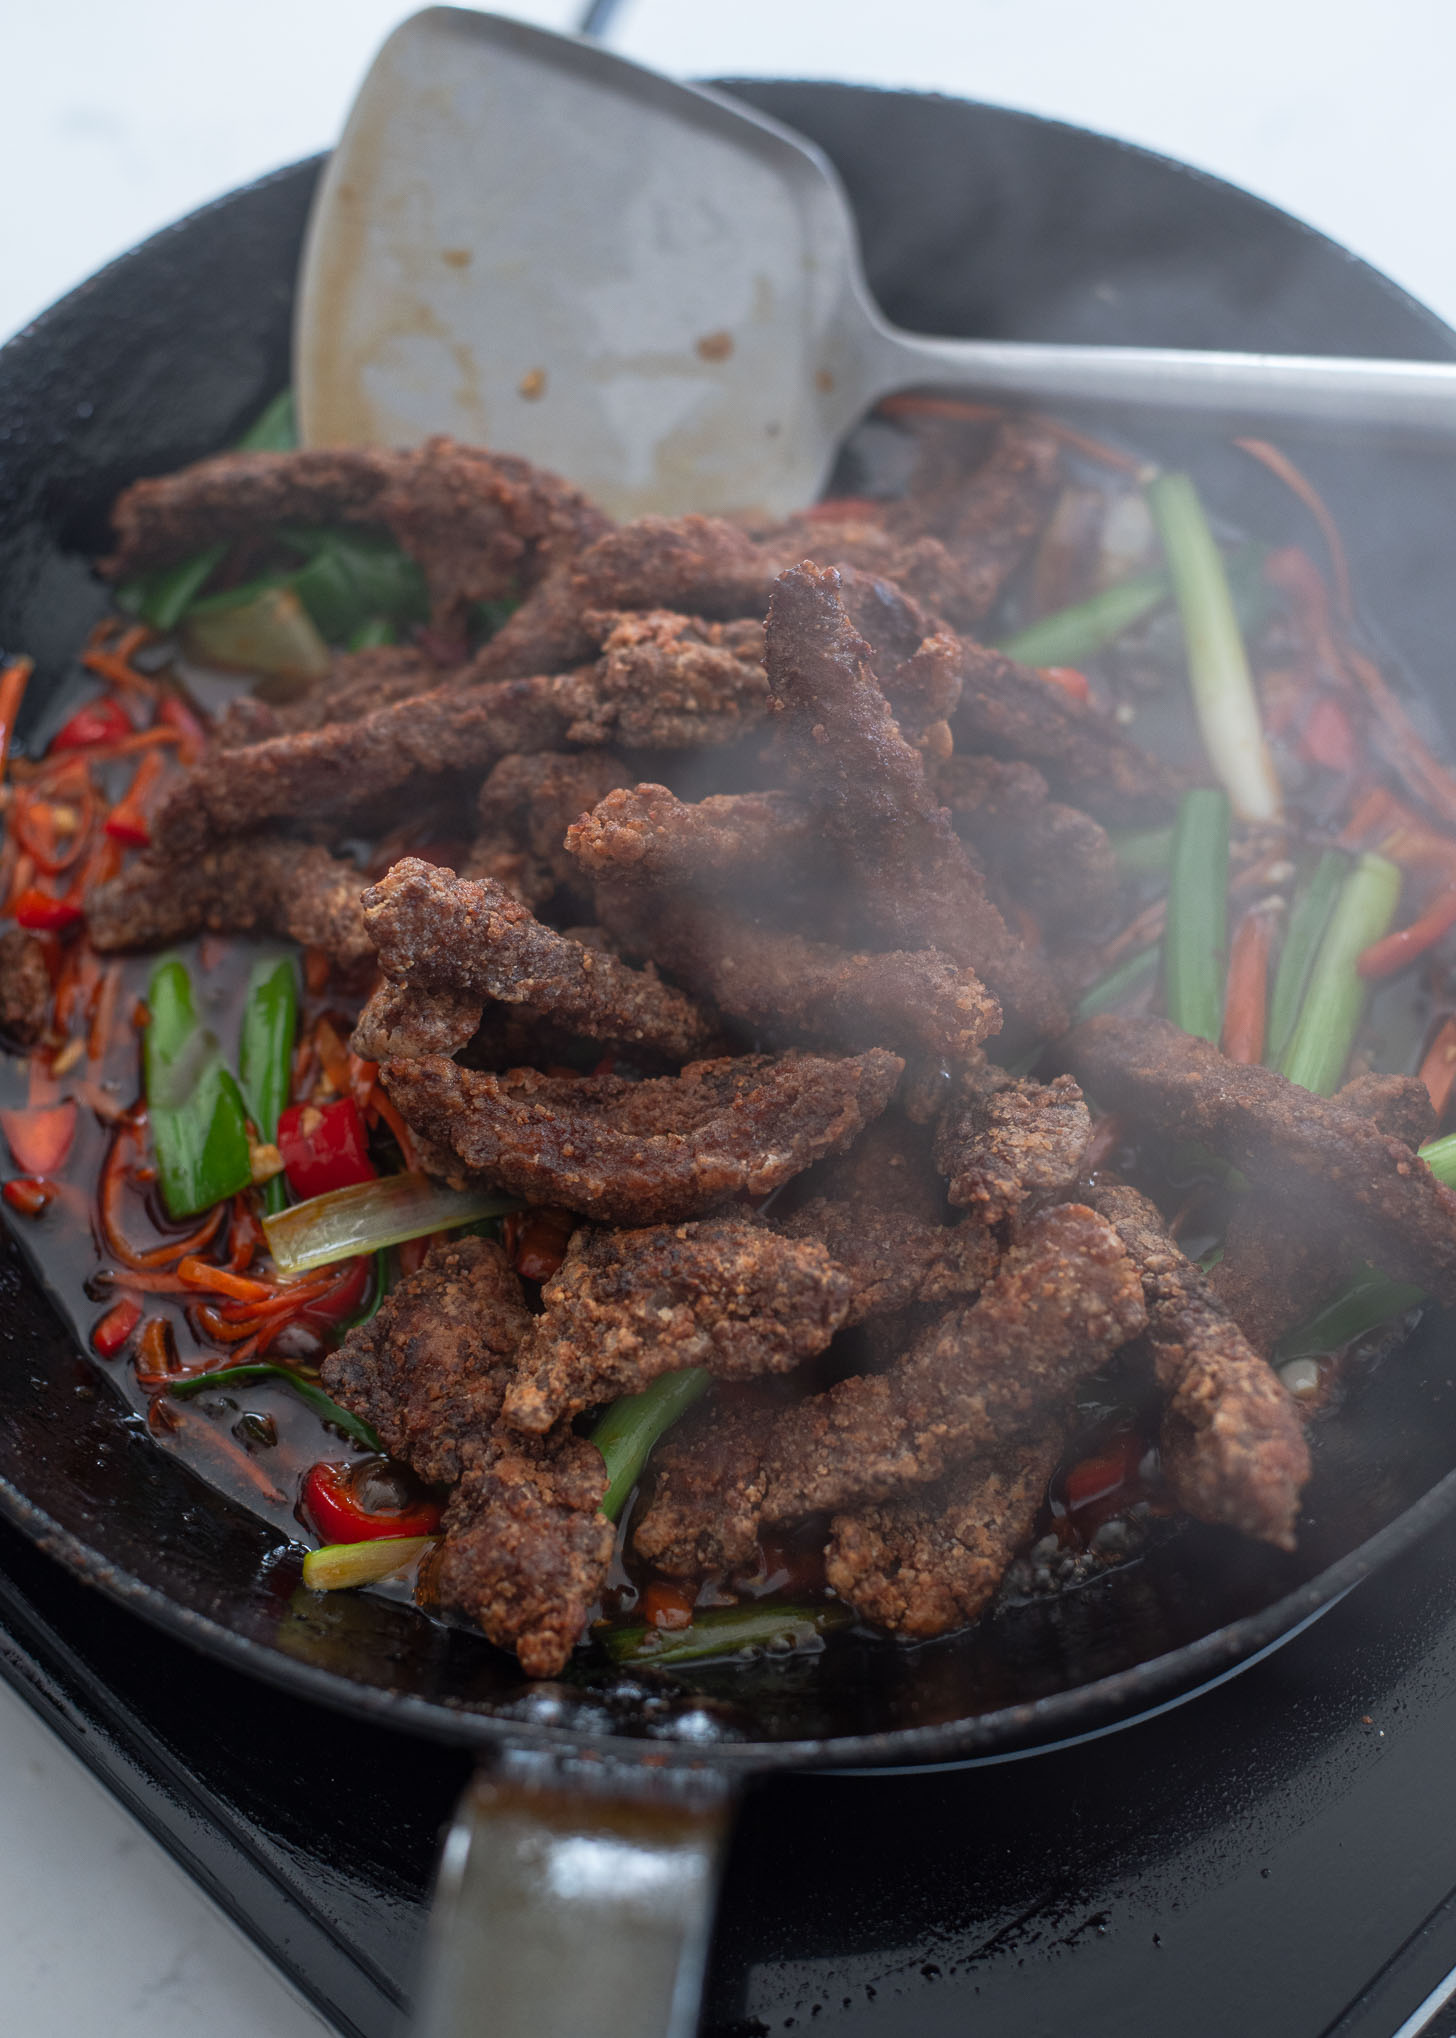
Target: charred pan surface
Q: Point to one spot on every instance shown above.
(25, 988)
(1364, 1190)
(627, 1306)
(926, 1564)
(654, 1152)
(1062, 1301)
(1054, 857)
(267, 884)
(439, 932)
(429, 1370)
(893, 1259)
(1008, 1142)
(1233, 1446)
(869, 786)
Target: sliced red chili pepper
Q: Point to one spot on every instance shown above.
(27, 1196)
(115, 1327)
(668, 1605)
(1327, 737)
(45, 914)
(346, 1297)
(40, 1140)
(174, 713)
(536, 1241)
(324, 1147)
(1097, 1479)
(1384, 958)
(333, 1506)
(99, 721)
(1069, 679)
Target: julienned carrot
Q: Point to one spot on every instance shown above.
(1281, 465)
(12, 691)
(111, 665)
(1438, 1070)
(222, 1281)
(128, 820)
(914, 403)
(1384, 958)
(1246, 1001)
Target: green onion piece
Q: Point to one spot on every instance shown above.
(264, 628)
(368, 1215)
(1440, 1157)
(1218, 666)
(339, 1565)
(274, 430)
(307, 1390)
(1089, 626)
(1369, 1300)
(265, 1054)
(1194, 944)
(353, 576)
(727, 1631)
(629, 1429)
(162, 597)
(1334, 1001)
(199, 1124)
(1307, 925)
(371, 634)
(1119, 984)
(377, 1294)
(1142, 852)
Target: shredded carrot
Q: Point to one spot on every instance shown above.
(316, 967)
(156, 1347)
(222, 1281)
(113, 1187)
(200, 1429)
(912, 403)
(1246, 1001)
(334, 1057)
(1281, 465)
(103, 1013)
(129, 820)
(1090, 448)
(111, 665)
(12, 691)
(1384, 958)
(1438, 1069)
(382, 1108)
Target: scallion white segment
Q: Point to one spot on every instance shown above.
(337, 1566)
(1218, 665)
(369, 1215)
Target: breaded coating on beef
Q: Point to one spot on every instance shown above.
(526, 806)
(1233, 1445)
(670, 682)
(1356, 1185)
(400, 1023)
(890, 1166)
(438, 932)
(430, 1367)
(25, 988)
(987, 513)
(928, 1563)
(1004, 1143)
(1014, 711)
(1398, 1105)
(647, 834)
(1062, 1301)
(893, 1259)
(920, 889)
(1054, 857)
(357, 683)
(627, 1306)
(267, 884)
(654, 1152)
(480, 525)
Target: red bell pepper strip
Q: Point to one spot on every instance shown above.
(1384, 958)
(339, 1517)
(98, 721)
(115, 1327)
(40, 1139)
(324, 1147)
(43, 913)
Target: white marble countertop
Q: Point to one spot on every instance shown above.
(120, 118)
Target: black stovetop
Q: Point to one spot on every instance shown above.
(1275, 1857)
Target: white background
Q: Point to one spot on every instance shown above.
(118, 117)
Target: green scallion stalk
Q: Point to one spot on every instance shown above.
(371, 635)
(1195, 941)
(626, 1434)
(198, 1121)
(307, 1390)
(1142, 852)
(1218, 665)
(1307, 923)
(368, 1215)
(1120, 984)
(337, 1566)
(727, 1631)
(1087, 627)
(265, 1054)
(354, 576)
(274, 429)
(1336, 994)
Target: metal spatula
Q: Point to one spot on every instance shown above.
(532, 244)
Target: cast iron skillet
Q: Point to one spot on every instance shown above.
(974, 220)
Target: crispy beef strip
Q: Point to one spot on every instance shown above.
(358, 682)
(1359, 1187)
(1014, 711)
(25, 988)
(654, 1152)
(670, 682)
(1276, 1272)
(400, 1023)
(645, 833)
(1233, 1445)
(629, 1305)
(919, 888)
(480, 525)
(890, 1166)
(893, 1259)
(1062, 1301)
(468, 936)
(927, 1563)
(1006, 1142)
(1054, 857)
(988, 513)
(267, 884)
(526, 806)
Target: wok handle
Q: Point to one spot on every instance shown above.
(575, 1900)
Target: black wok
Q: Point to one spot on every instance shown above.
(974, 220)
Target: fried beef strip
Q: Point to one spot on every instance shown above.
(527, 805)
(654, 1152)
(670, 682)
(1054, 857)
(1005, 1142)
(468, 936)
(627, 1306)
(927, 1563)
(1233, 1446)
(358, 682)
(1062, 1301)
(893, 1259)
(1359, 1187)
(267, 884)
(526, 1548)
(400, 1023)
(647, 834)
(987, 513)
(869, 785)
(25, 988)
